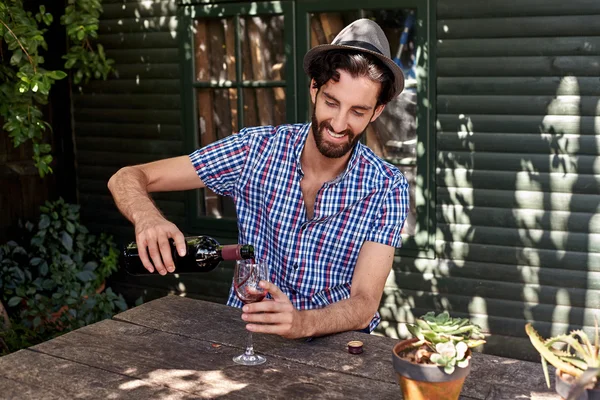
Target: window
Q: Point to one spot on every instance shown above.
(403, 134)
(238, 71)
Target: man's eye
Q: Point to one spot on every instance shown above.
(358, 114)
(330, 104)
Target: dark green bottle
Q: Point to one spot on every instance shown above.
(203, 255)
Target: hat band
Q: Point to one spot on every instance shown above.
(360, 43)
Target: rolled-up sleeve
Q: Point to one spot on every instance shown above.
(387, 226)
(220, 164)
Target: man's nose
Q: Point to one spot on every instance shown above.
(338, 123)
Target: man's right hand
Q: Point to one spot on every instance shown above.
(130, 187)
(152, 234)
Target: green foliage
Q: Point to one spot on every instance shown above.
(81, 19)
(50, 285)
(25, 84)
(446, 339)
(573, 353)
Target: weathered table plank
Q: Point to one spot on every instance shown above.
(198, 368)
(491, 377)
(28, 374)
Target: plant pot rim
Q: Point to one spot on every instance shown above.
(424, 372)
(562, 387)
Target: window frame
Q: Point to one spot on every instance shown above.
(422, 244)
(187, 14)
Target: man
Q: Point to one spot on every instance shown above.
(318, 206)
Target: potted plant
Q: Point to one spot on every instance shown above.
(54, 281)
(434, 363)
(576, 360)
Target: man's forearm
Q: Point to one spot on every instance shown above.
(129, 190)
(345, 315)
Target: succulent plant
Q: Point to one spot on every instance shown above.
(572, 353)
(446, 340)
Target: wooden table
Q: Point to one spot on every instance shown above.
(179, 348)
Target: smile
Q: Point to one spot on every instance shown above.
(334, 135)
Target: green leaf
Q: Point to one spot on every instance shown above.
(67, 241)
(57, 74)
(44, 222)
(86, 276)
(35, 261)
(16, 57)
(90, 266)
(13, 301)
(80, 34)
(70, 227)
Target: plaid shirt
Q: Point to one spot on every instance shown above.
(311, 261)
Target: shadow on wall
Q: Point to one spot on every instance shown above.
(517, 232)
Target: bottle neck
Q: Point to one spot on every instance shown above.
(237, 252)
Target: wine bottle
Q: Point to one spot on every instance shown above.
(203, 255)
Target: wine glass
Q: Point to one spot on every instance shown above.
(247, 275)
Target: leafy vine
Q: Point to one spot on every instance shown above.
(25, 84)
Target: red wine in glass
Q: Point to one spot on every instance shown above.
(247, 295)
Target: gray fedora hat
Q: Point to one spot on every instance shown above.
(365, 36)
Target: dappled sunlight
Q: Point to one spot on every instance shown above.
(206, 384)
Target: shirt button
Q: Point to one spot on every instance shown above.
(295, 266)
(303, 228)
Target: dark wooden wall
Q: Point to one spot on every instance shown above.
(518, 232)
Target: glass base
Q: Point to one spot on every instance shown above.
(246, 359)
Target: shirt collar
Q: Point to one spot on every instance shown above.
(300, 141)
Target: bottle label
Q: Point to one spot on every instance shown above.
(231, 252)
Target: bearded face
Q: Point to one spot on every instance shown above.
(330, 143)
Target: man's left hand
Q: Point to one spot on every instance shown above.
(274, 316)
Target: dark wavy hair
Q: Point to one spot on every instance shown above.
(325, 66)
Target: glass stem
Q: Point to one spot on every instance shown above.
(249, 346)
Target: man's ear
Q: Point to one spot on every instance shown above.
(313, 91)
(378, 110)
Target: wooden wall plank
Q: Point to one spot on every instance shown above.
(519, 66)
(518, 105)
(520, 46)
(119, 159)
(532, 220)
(132, 145)
(515, 86)
(521, 27)
(521, 237)
(134, 86)
(573, 125)
(147, 71)
(508, 8)
(144, 56)
(492, 271)
(563, 163)
(131, 25)
(130, 101)
(528, 181)
(105, 115)
(519, 199)
(520, 143)
(145, 40)
(138, 131)
(137, 9)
